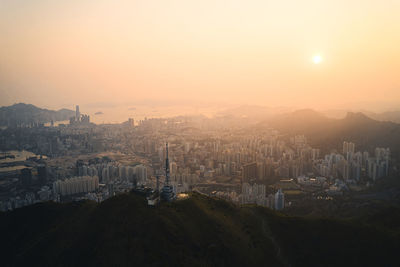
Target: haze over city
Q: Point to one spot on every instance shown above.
(199, 133)
(57, 54)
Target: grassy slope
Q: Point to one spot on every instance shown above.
(199, 231)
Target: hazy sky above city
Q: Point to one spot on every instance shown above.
(318, 54)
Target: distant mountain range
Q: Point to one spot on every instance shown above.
(393, 116)
(328, 132)
(255, 113)
(198, 231)
(21, 113)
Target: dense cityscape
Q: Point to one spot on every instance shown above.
(81, 160)
(199, 133)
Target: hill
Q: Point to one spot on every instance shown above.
(393, 116)
(21, 113)
(327, 132)
(198, 231)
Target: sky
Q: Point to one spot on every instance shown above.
(256, 52)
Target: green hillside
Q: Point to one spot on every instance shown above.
(198, 231)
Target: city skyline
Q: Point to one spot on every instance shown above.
(199, 133)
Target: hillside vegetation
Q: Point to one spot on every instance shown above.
(198, 231)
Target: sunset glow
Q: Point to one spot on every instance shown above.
(199, 132)
(317, 59)
(191, 52)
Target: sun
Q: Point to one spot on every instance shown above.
(317, 59)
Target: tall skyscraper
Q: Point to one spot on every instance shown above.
(77, 113)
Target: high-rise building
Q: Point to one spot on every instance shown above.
(271, 201)
(173, 168)
(104, 175)
(279, 200)
(141, 173)
(77, 113)
(42, 174)
(131, 174)
(254, 194)
(122, 173)
(348, 147)
(26, 177)
(76, 185)
(249, 172)
(345, 147)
